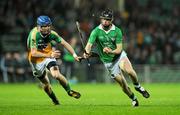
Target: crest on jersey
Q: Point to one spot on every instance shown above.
(42, 44)
(113, 39)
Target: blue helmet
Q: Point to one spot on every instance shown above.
(43, 21)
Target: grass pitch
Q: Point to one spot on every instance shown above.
(97, 99)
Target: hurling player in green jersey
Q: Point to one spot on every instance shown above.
(42, 57)
(108, 39)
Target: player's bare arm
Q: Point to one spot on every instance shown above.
(88, 50)
(70, 49)
(53, 54)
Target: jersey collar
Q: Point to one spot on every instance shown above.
(112, 28)
(45, 35)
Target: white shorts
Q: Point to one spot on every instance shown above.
(113, 67)
(39, 68)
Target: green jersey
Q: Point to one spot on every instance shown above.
(43, 44)
(35, 39)
(106, 39)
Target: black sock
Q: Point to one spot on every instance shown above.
(137, 85)
(132, 96)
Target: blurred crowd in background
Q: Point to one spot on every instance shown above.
(150, 30)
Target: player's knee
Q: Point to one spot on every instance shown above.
(131, 72)
(56, 75)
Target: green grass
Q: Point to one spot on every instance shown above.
(97, 99)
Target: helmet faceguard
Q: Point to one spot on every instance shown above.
(106, 18)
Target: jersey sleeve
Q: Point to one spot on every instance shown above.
(93, 36)
(56, 37)
(119, 36)
(32, 39)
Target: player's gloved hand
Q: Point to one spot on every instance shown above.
(107, 50)
(55, 54)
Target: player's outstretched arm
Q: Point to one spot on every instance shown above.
(70, 49)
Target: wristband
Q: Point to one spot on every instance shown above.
(74, 55)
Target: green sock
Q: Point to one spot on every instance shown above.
(66, 86)
(50, 94)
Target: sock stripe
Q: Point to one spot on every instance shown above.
(137, 86)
